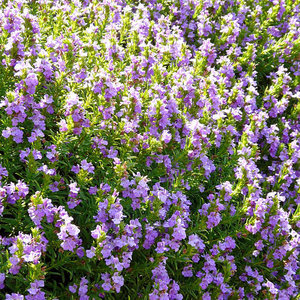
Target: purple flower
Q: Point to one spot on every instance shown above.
(3, 172)
(166, 136)
(229, 244)
(73, 194)
(80, 252)
(83, 289)
(93, 190)
(87, 166)
(107, 282)
(116, 212)
(75, 169)
(90, 253)
(2, 278)
(214, 219)
(14, 296)
(15, 132)
(73, 188)
(63, 126)
(73, 288)
(35, 287)
(196, 242)
(187, 271)
(31, 82)
(118, 282)
(96, 233)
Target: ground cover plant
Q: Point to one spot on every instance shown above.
(149, 149)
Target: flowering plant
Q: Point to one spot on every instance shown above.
(149, 149)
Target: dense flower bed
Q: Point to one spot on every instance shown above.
(149, 149)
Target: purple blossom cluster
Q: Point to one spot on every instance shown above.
(149, 149)
(25, 249)
(164, 287)
(40, 209)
